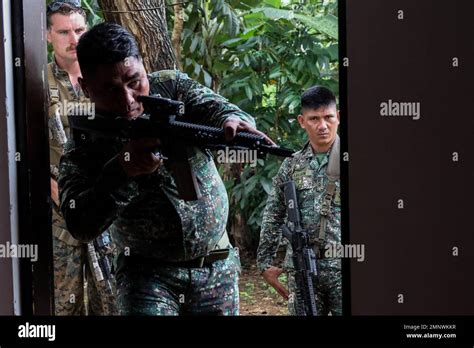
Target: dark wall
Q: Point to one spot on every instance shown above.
(409, 251)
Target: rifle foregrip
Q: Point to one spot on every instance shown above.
(217, 136)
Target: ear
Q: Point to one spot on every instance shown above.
(48, 35)
(83, 86)
(301, 121)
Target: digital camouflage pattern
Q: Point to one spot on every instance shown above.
(71, 269)
(145, 214)
(70, 256)
(310, 179)
(177, 290)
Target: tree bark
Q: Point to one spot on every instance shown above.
(177, 32)
(149, 27)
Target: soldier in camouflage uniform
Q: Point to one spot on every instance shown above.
(174, 255)
(66, 23)
(308, 169)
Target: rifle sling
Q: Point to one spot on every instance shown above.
(333, 173)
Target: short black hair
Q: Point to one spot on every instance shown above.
(316, 97)
(105, 43)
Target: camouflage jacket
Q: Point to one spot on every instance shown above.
(62, 92)
(145, 214)
(310, 179)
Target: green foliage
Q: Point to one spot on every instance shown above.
(94, 13)
(261, 55)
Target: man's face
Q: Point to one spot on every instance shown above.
(114, 88)
(64, 34)
(320, 125)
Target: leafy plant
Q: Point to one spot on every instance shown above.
(280, 49)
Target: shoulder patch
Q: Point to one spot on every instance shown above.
(166, 75)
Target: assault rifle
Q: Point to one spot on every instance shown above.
(304, 258)
(162, 119)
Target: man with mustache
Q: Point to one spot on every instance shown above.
(66, 22)
(174, 255)
(320, 207)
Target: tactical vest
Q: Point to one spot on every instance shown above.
(57, 122)
(57, 132)
(333, 174)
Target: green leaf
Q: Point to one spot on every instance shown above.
(275, 73)
(246, 60)
(220, 66)
(207, 78)
(232, 42)
(266, 184)
(253, 16)
(248, 33)
(273, 3)
(194, 43)
(274, 13)
(325, 24)
(248, 92)
(250, 185)
(333, 51)
(301, 65)
(197, 69)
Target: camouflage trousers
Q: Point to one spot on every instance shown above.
(146, 289)
(71, 270)
(327, 290)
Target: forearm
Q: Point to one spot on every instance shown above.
(89, 207)
(270, 239)
(273, 220)
(271, 233)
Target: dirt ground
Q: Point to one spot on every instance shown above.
(258, 298)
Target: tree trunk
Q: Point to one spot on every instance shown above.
(177, 32)
(149, 27)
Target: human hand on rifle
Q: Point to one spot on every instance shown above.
(234, 125)
(138, 156)
(271, 277)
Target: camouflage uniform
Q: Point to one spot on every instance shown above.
(69, 255)
(151, 225)
(310, 179)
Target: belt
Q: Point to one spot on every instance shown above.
(200, 262)
(203, 261)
